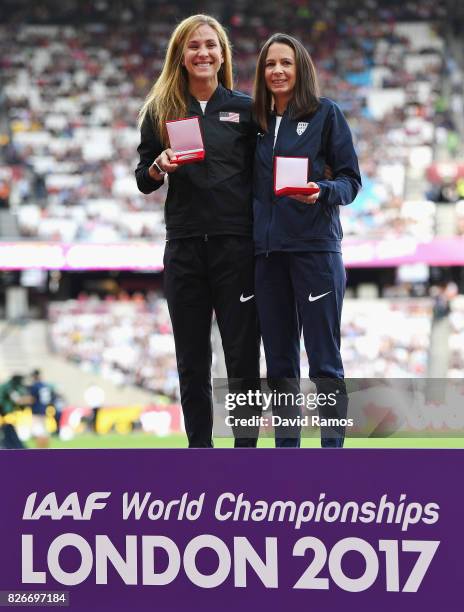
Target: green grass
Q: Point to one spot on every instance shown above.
(141, 440)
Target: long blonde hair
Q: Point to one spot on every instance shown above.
(167, 98)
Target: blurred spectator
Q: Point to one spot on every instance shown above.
(13, 396)
(4, 194)
(94, 398)
(43, 396)
(456, 339)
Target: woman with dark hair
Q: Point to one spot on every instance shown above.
(209, 259)
(299, 277)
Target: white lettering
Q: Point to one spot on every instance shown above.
(266, 570)
(53, 559)
(106, 551)
(224, 561)
(28, 575)
(149, 543)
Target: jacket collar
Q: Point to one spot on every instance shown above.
(218, 96)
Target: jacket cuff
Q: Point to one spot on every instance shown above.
(151, 181)
(323, 189)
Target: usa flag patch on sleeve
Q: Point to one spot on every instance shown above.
(233, 117)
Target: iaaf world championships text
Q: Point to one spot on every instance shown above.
(235, 507)
(236, 558)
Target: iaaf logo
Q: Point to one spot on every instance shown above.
(301, 127)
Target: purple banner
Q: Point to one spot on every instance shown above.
(392, 253)
(172, 530)
(130, 255)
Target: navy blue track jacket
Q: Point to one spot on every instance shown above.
(284, 224)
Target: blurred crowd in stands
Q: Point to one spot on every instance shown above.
(76, 73)
(128, 340)
(386, 338)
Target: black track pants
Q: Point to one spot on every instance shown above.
(202, 275)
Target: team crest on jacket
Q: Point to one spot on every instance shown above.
(300, 128)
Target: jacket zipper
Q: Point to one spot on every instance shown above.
(273, 195)
(268, 230)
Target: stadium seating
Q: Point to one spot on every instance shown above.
(130, 341)
(73, 85)
(386, 338)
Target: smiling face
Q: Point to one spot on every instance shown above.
(203, 55)
(280, 72)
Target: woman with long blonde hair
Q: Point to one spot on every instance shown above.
(209, 260)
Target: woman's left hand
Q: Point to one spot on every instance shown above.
(308, 199)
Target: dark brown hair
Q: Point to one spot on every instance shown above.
(305, 98)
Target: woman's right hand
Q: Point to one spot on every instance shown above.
(164, 162)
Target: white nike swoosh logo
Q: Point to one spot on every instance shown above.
(317, 297)
(245, 299)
